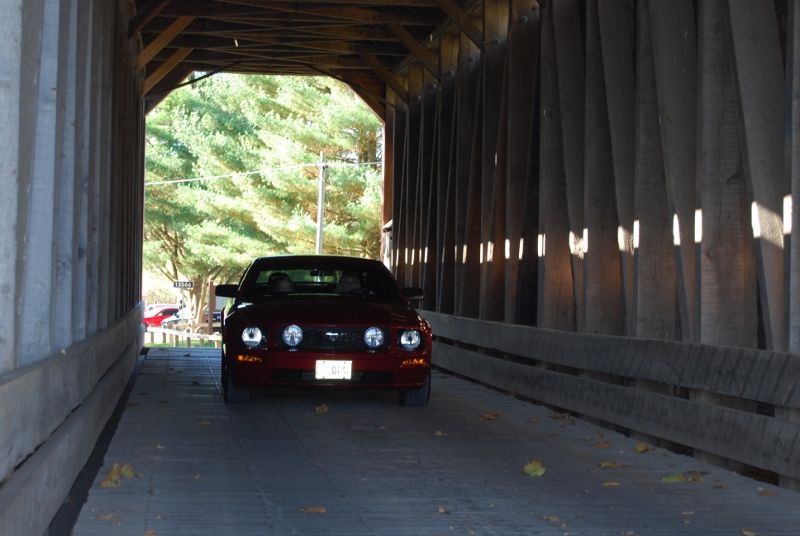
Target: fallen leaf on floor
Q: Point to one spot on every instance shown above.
(127, 471)
(130, 405)
(160, 518)
(382, 428)
(113, 478)
(566, 417)
(612, 465)
(610, 484)
(695, 476)
(110, 482)
(197, 476)
(602, 445)
(551, 519)
(145, 393)
(442, 510)
(107, 517)
(439, 433)
(687, 513)
(641, 448)
(490, 416)
(720, 486)
(313, 510)
(204, 422)
(748, 532)
(150, 533)
(554, 434)
(766, 493)
(322, 409)
(674, 478)
(533, 420)
(534, 468)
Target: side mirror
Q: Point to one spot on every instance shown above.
(227, 291)
(413, 293)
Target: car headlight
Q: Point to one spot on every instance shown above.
(292, 335)
(410, 339)
(373, 337)
(252, 337)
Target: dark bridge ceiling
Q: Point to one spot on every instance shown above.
(365, 43)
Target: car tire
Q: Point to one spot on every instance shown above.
(231, 392)
(418, 396)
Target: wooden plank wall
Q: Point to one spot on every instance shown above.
(602, 377)
(70, 243)
(616, 168)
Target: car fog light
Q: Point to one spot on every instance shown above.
(292, 335)
(373, 337)
(252, 336)
(410, 339)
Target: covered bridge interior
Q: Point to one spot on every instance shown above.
(595, 195)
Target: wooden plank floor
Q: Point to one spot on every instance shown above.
(379, 468)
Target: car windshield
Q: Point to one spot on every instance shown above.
(344, 281)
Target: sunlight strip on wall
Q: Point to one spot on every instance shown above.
(787, 214)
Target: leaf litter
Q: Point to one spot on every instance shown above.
(534, 468)
(113, 478)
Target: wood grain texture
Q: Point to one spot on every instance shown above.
(756, 440)
(757, 375)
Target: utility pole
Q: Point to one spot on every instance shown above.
(321, 200)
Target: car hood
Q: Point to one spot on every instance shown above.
(328, 311)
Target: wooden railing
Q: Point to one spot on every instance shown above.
(732, 403)
(177, 338)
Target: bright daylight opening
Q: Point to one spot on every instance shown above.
(787, 215)
(237, 166)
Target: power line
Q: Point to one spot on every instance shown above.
(244, 173)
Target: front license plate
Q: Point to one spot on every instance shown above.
(334, 370)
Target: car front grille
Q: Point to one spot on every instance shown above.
(333, 338)
(300, 376)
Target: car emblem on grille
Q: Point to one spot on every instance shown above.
(331, 336)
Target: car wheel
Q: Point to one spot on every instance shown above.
(418, 396)
(231, 392)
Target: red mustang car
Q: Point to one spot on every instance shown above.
(319, 320)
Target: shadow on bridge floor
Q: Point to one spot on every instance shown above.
(370, 466)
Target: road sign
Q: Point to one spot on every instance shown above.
(182, 284)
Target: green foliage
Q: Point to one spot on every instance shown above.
(255, 142)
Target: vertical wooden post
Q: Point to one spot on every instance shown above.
(728, 308)
(758, 76)
(10, 231)
(654, 307)
(617, 44)
(466, 126)
(556, 297)
(447, 111)
(523, 61)
(602, 262)
(570, 57)
(675, 57)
